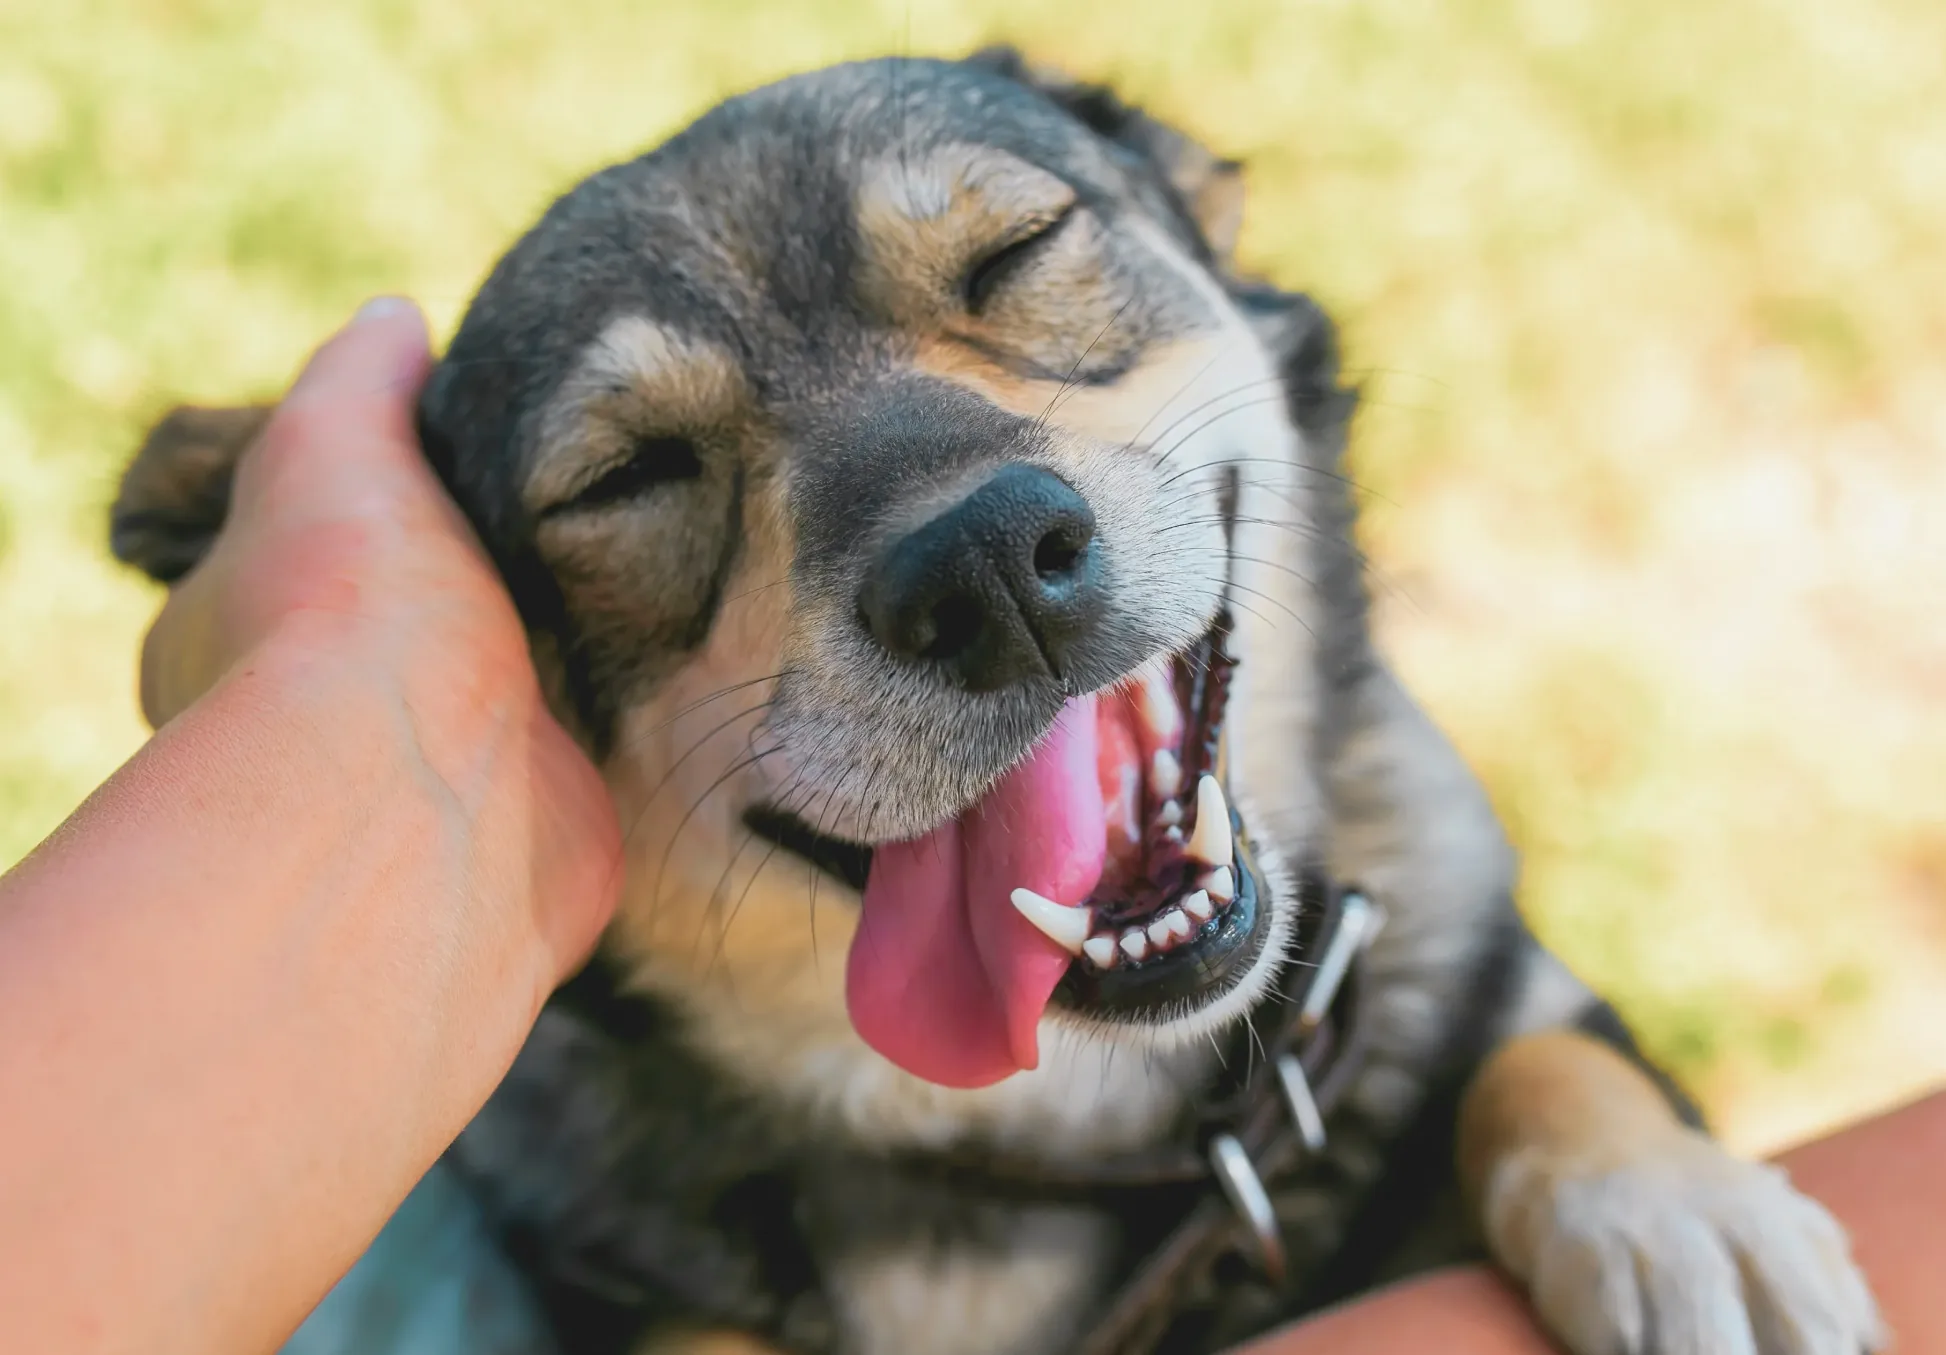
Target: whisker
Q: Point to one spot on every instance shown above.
(1209, 423)
(676, 766)
(1217, 399)
(1299, 575)
(741, 764)
(723, 937)
(1248, 610)
(1068, 381)
(717, 695)
(760, 588)
(1259, 593)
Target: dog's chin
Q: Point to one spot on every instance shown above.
(1194, 915)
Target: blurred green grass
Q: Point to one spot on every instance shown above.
(1645, 300)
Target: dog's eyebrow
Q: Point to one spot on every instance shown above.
(964, 180)
(636, 378)
(922, 217)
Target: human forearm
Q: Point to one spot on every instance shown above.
(250, 991)
(1885, 1180)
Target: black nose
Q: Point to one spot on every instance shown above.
(999, 588)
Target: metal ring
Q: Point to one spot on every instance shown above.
(1303, 1105)
(1239, 1179)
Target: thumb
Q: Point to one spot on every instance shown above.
(346, 420)
(380, 357)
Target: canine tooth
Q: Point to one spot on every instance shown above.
(1173, 833)
(1066, 927)
(1134, 944)
(1170, 814)
(1221, 884)
(1177, 923)
(1101, 950)
(1198, 905)
(1165, 773)
(1210, 842)
(1158, 706)
(1160, 934)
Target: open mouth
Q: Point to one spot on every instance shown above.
(1165, 906)
(1106, 875)
(1175, 913)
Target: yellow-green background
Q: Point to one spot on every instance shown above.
(1649, 300)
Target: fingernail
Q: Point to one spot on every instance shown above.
(381, 308)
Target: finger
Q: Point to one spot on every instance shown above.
(347, 420)
(379, 360)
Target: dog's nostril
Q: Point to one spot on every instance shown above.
(954, 626)
(999, 588)
(1058, 552)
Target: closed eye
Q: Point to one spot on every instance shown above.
(652, 462)
(987, 273)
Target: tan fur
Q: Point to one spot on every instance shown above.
(1558, 1093)
(924, 219)
(1215, 197)
(635, 379)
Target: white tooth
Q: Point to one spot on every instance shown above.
(1198, 906)
(1100, 949)
(1210, 842)
(1221, 884)
(1165, 773)
(1160, 933)
(1158, 705)
(1178, 924)
(1170, 814)
(1066, 927)
(1173, 833)
(1134, 944)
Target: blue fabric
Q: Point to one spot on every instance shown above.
(433, 1283)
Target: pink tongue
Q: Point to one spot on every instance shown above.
(946, 978)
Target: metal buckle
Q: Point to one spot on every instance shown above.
(1359, 922)
(1245, 1189)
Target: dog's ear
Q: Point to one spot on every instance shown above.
(176, 493)
(1208, 187)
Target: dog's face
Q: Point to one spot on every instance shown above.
(906, 506)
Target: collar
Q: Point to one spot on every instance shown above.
(1258, 1126)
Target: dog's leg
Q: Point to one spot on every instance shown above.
(1635, 1232)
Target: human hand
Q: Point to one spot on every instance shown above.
(340, 543)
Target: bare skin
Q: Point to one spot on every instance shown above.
(260, 980)
(1884, 1180)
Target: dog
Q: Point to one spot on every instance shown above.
(946, 552)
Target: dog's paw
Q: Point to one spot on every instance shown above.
(1683, 1250)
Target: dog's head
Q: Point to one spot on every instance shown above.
(920, 523)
